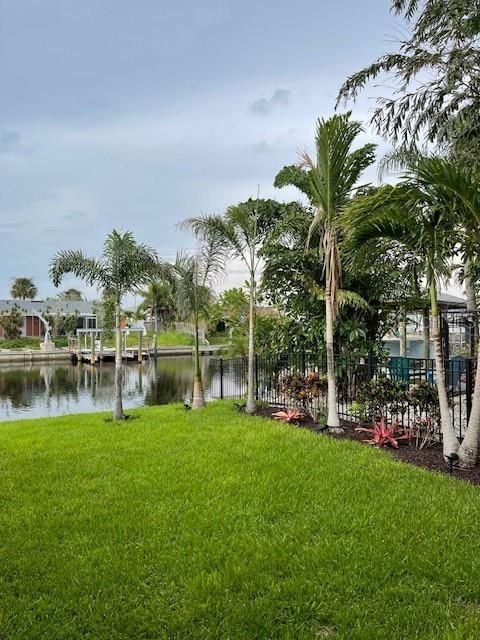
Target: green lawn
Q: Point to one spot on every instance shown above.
(30, 343)
(211, 524)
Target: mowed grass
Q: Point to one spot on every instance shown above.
(212, 524)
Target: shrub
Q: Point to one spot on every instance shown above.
(305, 390)
(382, 395)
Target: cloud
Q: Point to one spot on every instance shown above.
(75, 216)
(263, 106)
(11, 143)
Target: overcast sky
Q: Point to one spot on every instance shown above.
(137, 114)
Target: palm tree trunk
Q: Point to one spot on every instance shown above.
(426, 333)
(402, 326)
(198, 398)
(450, 441)
(118, 412)
(472, 336)
(468, 451)
(251, 406)
(155, 329)
(333, 420)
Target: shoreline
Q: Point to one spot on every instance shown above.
(27, 356)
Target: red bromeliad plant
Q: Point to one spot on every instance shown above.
(289, 415)
(384, 435)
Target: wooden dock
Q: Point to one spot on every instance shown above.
(86, 348)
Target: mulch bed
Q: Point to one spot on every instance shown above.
(430, 458)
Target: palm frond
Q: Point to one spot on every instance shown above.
(94, 272)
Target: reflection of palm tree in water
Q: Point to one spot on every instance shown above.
(53, 389)
(168, 387)
(19, 387)
(171, 380)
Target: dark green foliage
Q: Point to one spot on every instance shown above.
(71, 294)
(12, 322)
(286, 334)
(424, 396)
(383, 395)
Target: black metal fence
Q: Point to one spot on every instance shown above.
(401, 388)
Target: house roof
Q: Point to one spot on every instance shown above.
(447, 300)
(65, 307)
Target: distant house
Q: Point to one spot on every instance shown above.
(33, 326)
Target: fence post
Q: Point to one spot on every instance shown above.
(221, 378)
(256, 377)
(469, 386)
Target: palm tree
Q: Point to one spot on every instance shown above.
(123, 266)
(332, 178)
(71, 294)
(418, 214)
(241, 231)
(193, 275)
(23, 288)
(459, 189)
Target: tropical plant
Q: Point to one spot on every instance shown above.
(333, 176)
(123, 266)
(383, 434)
(241, 231)
(289, 415)
(193, 275)
(23, 289)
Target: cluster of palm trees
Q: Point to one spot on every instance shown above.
(126, 266)
(433, 212)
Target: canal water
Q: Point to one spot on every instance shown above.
(59, 389)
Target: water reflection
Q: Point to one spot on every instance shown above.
(57, 389)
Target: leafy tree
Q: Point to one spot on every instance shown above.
(123, 266)
(193, 275)
(158, 302)
(242, 230)
(436, 72)
(332, 178)
(61, 323)
(23, 289)
(12, 322)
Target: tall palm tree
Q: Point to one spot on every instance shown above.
(193, 275)
(23, 288)
(332, 178)
(416, 213)
(123, 266)
(241, 230)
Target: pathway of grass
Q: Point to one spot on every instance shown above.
(212, 524)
